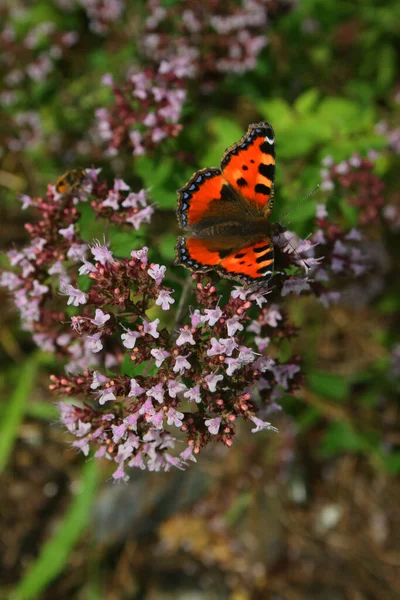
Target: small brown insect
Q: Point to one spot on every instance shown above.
(71, 180)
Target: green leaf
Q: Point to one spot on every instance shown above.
(132, 369)
(123, 242)
(327, 385)
(16, 407)
(55, 553)
(307, 101)
(159, 178)
(341, 437)
(224, 132)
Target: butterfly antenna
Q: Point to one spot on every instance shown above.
(298, 204)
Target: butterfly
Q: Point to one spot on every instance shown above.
(225, 212)
(70, 181)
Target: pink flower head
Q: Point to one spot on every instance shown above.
(211, 316)
(160, 355)
(129, 338)
(68, 233)
(213, 425)
(233, 325)
(98, 380)
(181, 364)
(76, 297)
(193, 394)
(261, 425)
(175, 387)
(100, 318)
(141, 255)
(156, 392)
(157, 273)
(212, 381)
(185, 337)
(164, 299)
(150, 327)
(94, 343)
(174, 417)
(136, 389)
(102, 254)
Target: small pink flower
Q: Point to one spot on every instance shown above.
(100, 318)
(129, 338)
(175, 387)
(150, 327)
(181, 364)
(157, 273)
(261, 425)
(102, 255)
(164, 299)
(193, 394)
(213, 425)
(156, 392)
(212, 381)
(233, 325)
(295, 285)
(160, 355)
(185, 337)
(136, 389)
(141, 255)
(94, 343)
(106, 395)
(68, 233)
(76, 297)
(174, 417)
(98, 380)
(211, 316)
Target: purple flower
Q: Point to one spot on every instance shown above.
(157, 273)
(129, 338)
(76, 297)
(193, 394)
(159, 355)
(213, 425)
(284, 372)
(211, 316)
(181, 364)
(233, 325)
(233, 365)
(261, 425)
(174, 417)
(102, 254)
(86, 268)
(175, 387)
(212, 380)
(164, 299)
(321, 212)
(68, 232)
(156, 392)
(185, 337)
(106, 395)
(150, 327)
(141, 255)
(100, 318)
(98, 380)
(136, 389)
(93, 342)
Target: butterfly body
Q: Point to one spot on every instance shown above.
(225, 212)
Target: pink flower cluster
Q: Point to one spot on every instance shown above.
(355, 180)
(48, 262)
(218, 36)
(185, 387)
(146, 110)
(102, 14)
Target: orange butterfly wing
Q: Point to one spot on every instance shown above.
(249, 166)
(246, 261)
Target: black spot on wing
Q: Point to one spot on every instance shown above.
(261, 249)
(245, 168)
(267, 148)
(241, 182)
(262, 189)
(267, 171)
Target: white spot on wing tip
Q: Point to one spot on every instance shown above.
(267, 139)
